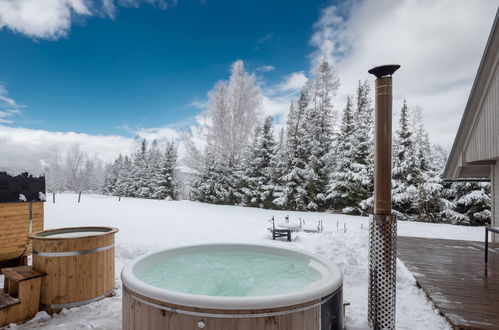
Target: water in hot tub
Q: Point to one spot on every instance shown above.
(230, 274)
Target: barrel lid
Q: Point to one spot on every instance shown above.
(95, 231)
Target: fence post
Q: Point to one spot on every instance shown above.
(119, 198)
(53, 197)
(79, 197)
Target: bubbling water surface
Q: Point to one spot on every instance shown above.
(230, 274)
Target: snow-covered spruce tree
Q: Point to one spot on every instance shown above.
(363, 153)
(112, 173)
(258, 187)
(164, 182)
(351, 183)
(340, 183)
(406, 174)
(233, 115)
(318, 126)
(293, 182)
(153, 165)
(431, 160)
(279, 164)
(124, 181)
(471, 203)
(140, 172)
(216, 183)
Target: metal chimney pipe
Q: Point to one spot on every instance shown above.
(383, 225)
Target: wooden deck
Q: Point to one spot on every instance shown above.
(453, 274)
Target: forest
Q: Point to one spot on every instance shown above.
(318, 159)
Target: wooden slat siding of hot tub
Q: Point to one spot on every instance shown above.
(75, 278)
(137, 315)
(14, 228)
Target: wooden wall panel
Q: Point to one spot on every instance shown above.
(140, 316)
(483, 143)
(14, 228)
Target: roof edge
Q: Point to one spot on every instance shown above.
(493, 34)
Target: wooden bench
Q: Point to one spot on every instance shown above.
(20, 298)
(277, 233)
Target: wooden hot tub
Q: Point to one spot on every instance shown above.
(79, 263)
(148, 305)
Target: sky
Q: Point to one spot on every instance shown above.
(98, 73)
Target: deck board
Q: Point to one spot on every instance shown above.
(454, 276)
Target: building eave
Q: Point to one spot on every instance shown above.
(456, 167)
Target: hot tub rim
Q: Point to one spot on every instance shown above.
(109, 230)
(324, 287)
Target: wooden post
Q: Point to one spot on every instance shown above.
(53, 197)
(119, 199)
(79, 197)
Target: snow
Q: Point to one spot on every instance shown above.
(150, 225)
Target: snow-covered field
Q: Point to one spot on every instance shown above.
(149, 225)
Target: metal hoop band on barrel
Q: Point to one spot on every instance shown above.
(231, 316)
(72, 253)
(77, 303)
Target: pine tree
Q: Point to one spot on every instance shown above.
(431, 161)
(469, 203)
(340, 183)
(318, 127)
(139, 172)
(259, 186)
(153, 169)
(363, 153)
(279, 164)
(124, 183)
(216, 183)
(165, 183)
(293, 182)
(406, 173)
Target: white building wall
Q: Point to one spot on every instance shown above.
(495, 199)
(484, 140)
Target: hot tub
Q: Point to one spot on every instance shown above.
(232, 286)
(79, 262)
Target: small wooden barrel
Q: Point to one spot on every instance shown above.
(79, 263)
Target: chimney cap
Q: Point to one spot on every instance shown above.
(384, 70)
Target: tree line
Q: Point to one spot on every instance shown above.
(73, 170)
(320, 161)
(150, 172)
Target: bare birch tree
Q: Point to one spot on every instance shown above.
(233, 114)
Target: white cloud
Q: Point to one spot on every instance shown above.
(51, 19)
(264, 39)
(276, 105)
(26, 149)
(265, 68)
(294, 81)
(158, 133)
(9, 108)
(438, 43)
(202, 105)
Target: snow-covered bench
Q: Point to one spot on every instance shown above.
(276, 233)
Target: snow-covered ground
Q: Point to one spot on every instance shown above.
(149, 225)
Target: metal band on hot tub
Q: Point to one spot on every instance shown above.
(72, 253)
(78, 303)
(232, 316)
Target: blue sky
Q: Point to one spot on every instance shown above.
(146, 66)
(97, 73)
